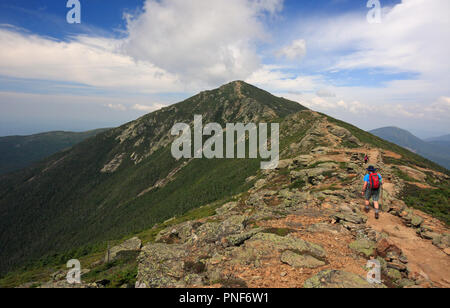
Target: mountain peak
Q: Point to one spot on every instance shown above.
(126, 181)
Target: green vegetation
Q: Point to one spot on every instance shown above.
(279, 231)
(408, 157)
(297, 184)
(40, 271)
(431, 201)
(402, 175)
(435, 152)
(122, 271)
(65, 202)
(331, 187)
(17, 152)
(64, 207)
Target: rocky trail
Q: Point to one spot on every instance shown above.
(302, 225)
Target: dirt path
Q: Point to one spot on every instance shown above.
(424, 258)
(375, 157)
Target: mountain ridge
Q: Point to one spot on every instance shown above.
(436, 152)
(144, 193)
(17, 152)
(101, 179)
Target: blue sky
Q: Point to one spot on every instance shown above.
(128, 58)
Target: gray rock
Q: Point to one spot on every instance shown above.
(363, 246)
(238, 239)
(327, 228)
(161, 266)
(338, 279)
(133, 244)
(226, 208)
(300, 261)
(355, 218)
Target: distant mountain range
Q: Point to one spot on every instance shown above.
(436, 149)
(17, 152)
(440, 141)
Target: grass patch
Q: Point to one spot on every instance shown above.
(279, 231)
(402, 175)
(318, 163)
(122, 271)
(331, 187)
(431, 201)
(148, 236)
(297, 184)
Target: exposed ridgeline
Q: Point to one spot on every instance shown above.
(17, 152)
(103, 188)
(300, 225)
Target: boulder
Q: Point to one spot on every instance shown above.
(290, 242)
(239, 239)
(226, 208)
(355, 218)
(282, 164)
(259, 184)
(177, 234)
(416, 221)
(133, 244)
(405, 283)
(327, 228)
(364, 247)
(394, 274)
(212, 232)
(300, 261)
(302, 161)
(161, 265)
(442, 241)
(385, 247)
(254, 250)
(338, 279)
(430, 235)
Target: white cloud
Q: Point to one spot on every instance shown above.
(273, 79)
(118, 107)
(414, 36)
(324, 92)
(440, 109)
(295, 51)
(178, 45)
(172, 45)
(85, 60)
(210, 41)
(147, 108)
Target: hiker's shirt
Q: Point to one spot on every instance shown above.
(367, 180)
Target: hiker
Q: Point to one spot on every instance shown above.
(372, 187)
(366, 159)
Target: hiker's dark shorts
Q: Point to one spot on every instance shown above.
(374, 194)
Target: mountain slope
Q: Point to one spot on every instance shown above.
(301, 225)
(440, 138)
(17, 152)
(436, 152)
(442, 141)
(106, 187)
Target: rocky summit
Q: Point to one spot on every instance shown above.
(214, 223)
